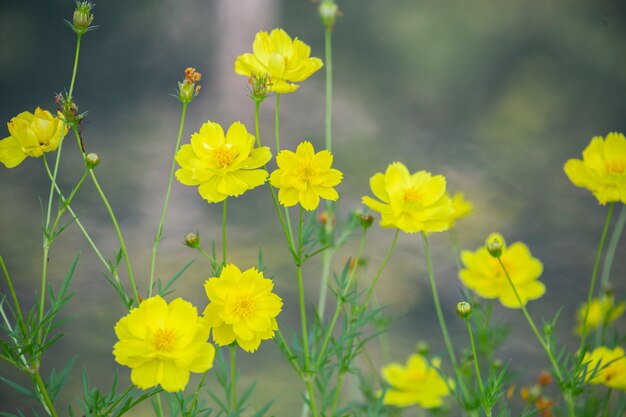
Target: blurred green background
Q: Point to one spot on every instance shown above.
(494, 95)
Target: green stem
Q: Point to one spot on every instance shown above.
(78, 38)
(206, 255)
(541, 340)
(224, 233)
(44, 394)
(477, 367)
(158, 406)
(197, 391)
(326, 260)
(340, 301)
(290, 356)
(277, 123)
(329, 86)
(16, 303)
(67, 202)
(607, 403)
(159, 232)
(594, 275)
(257, 135)
(370, 292)
(440, 317)
(233, 378)
(131, 277)
(456, 248)
(611, 248)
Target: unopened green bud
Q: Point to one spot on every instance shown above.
(82, 17)
(548, 329)
(192, 240)
(328, 12)
(494, 247)
(464, 309)
(422, 348)
(92, 160)
(366, 220)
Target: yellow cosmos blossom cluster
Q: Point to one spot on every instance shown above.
(162, 343)
(416, 383)
(31, 135)
(284, 60)
(484, 275)
(602, 311)
(606, 366)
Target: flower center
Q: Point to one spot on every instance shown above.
(245, 307)
(306, 172)
(164, 339)
(224, 156)
(615, 167)
(412, 195)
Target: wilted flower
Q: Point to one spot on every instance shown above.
(606, 366)
(410, 202)
(602, 311)
(222, 166)
(283, 60)
(602, 169)
(417, 383)
(242, 307)
(162, 343)
(305, 176)
(484, 274)
(188, 89)
(31, 135)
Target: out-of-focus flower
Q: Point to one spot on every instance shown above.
(410, 202)
(305, 176)
(242, 307)
(460, 208)
(484, 275)
(31, 135)
(601, 311)
(162, 343)
(283, 60)
(606, 366)
(222, 166)
(417, 383)
(602, 169)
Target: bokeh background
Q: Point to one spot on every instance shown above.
(494, 95)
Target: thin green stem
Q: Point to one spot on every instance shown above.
(456, 248)
(197, 391)
(16, 303)
(224, 233)
(7, 323)
(233, 378)
(290, 356)
(159, 232)
(78, 38)
(42, 296)
(158, 406)
(341, 300)
(206, 255)
(370, 292)
(65, 203)
(607, 402)
(96, 184)
(475, 356)
(611, 248)
(257, 105)
(326, 261)
(540, 338)
(277, 123)
(329, 86)
(82, 229)
(41, 386)
(440, 317)
(594, 275)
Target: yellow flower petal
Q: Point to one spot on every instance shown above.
(11, 154)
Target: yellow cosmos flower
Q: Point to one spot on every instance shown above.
(162, 343)
(484, 275)
(31, 135)
(602, 169)
(242, 307)
(609, 366)
(222, 165)
(305, 176)
(285, 61)
(410, 202)
(460, 208)
(601, 311)
(417, 383)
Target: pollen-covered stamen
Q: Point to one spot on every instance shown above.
(245, 307)
(615, 167)
(164, 339)
(224, 156)
(412, 195)
(306, 172)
